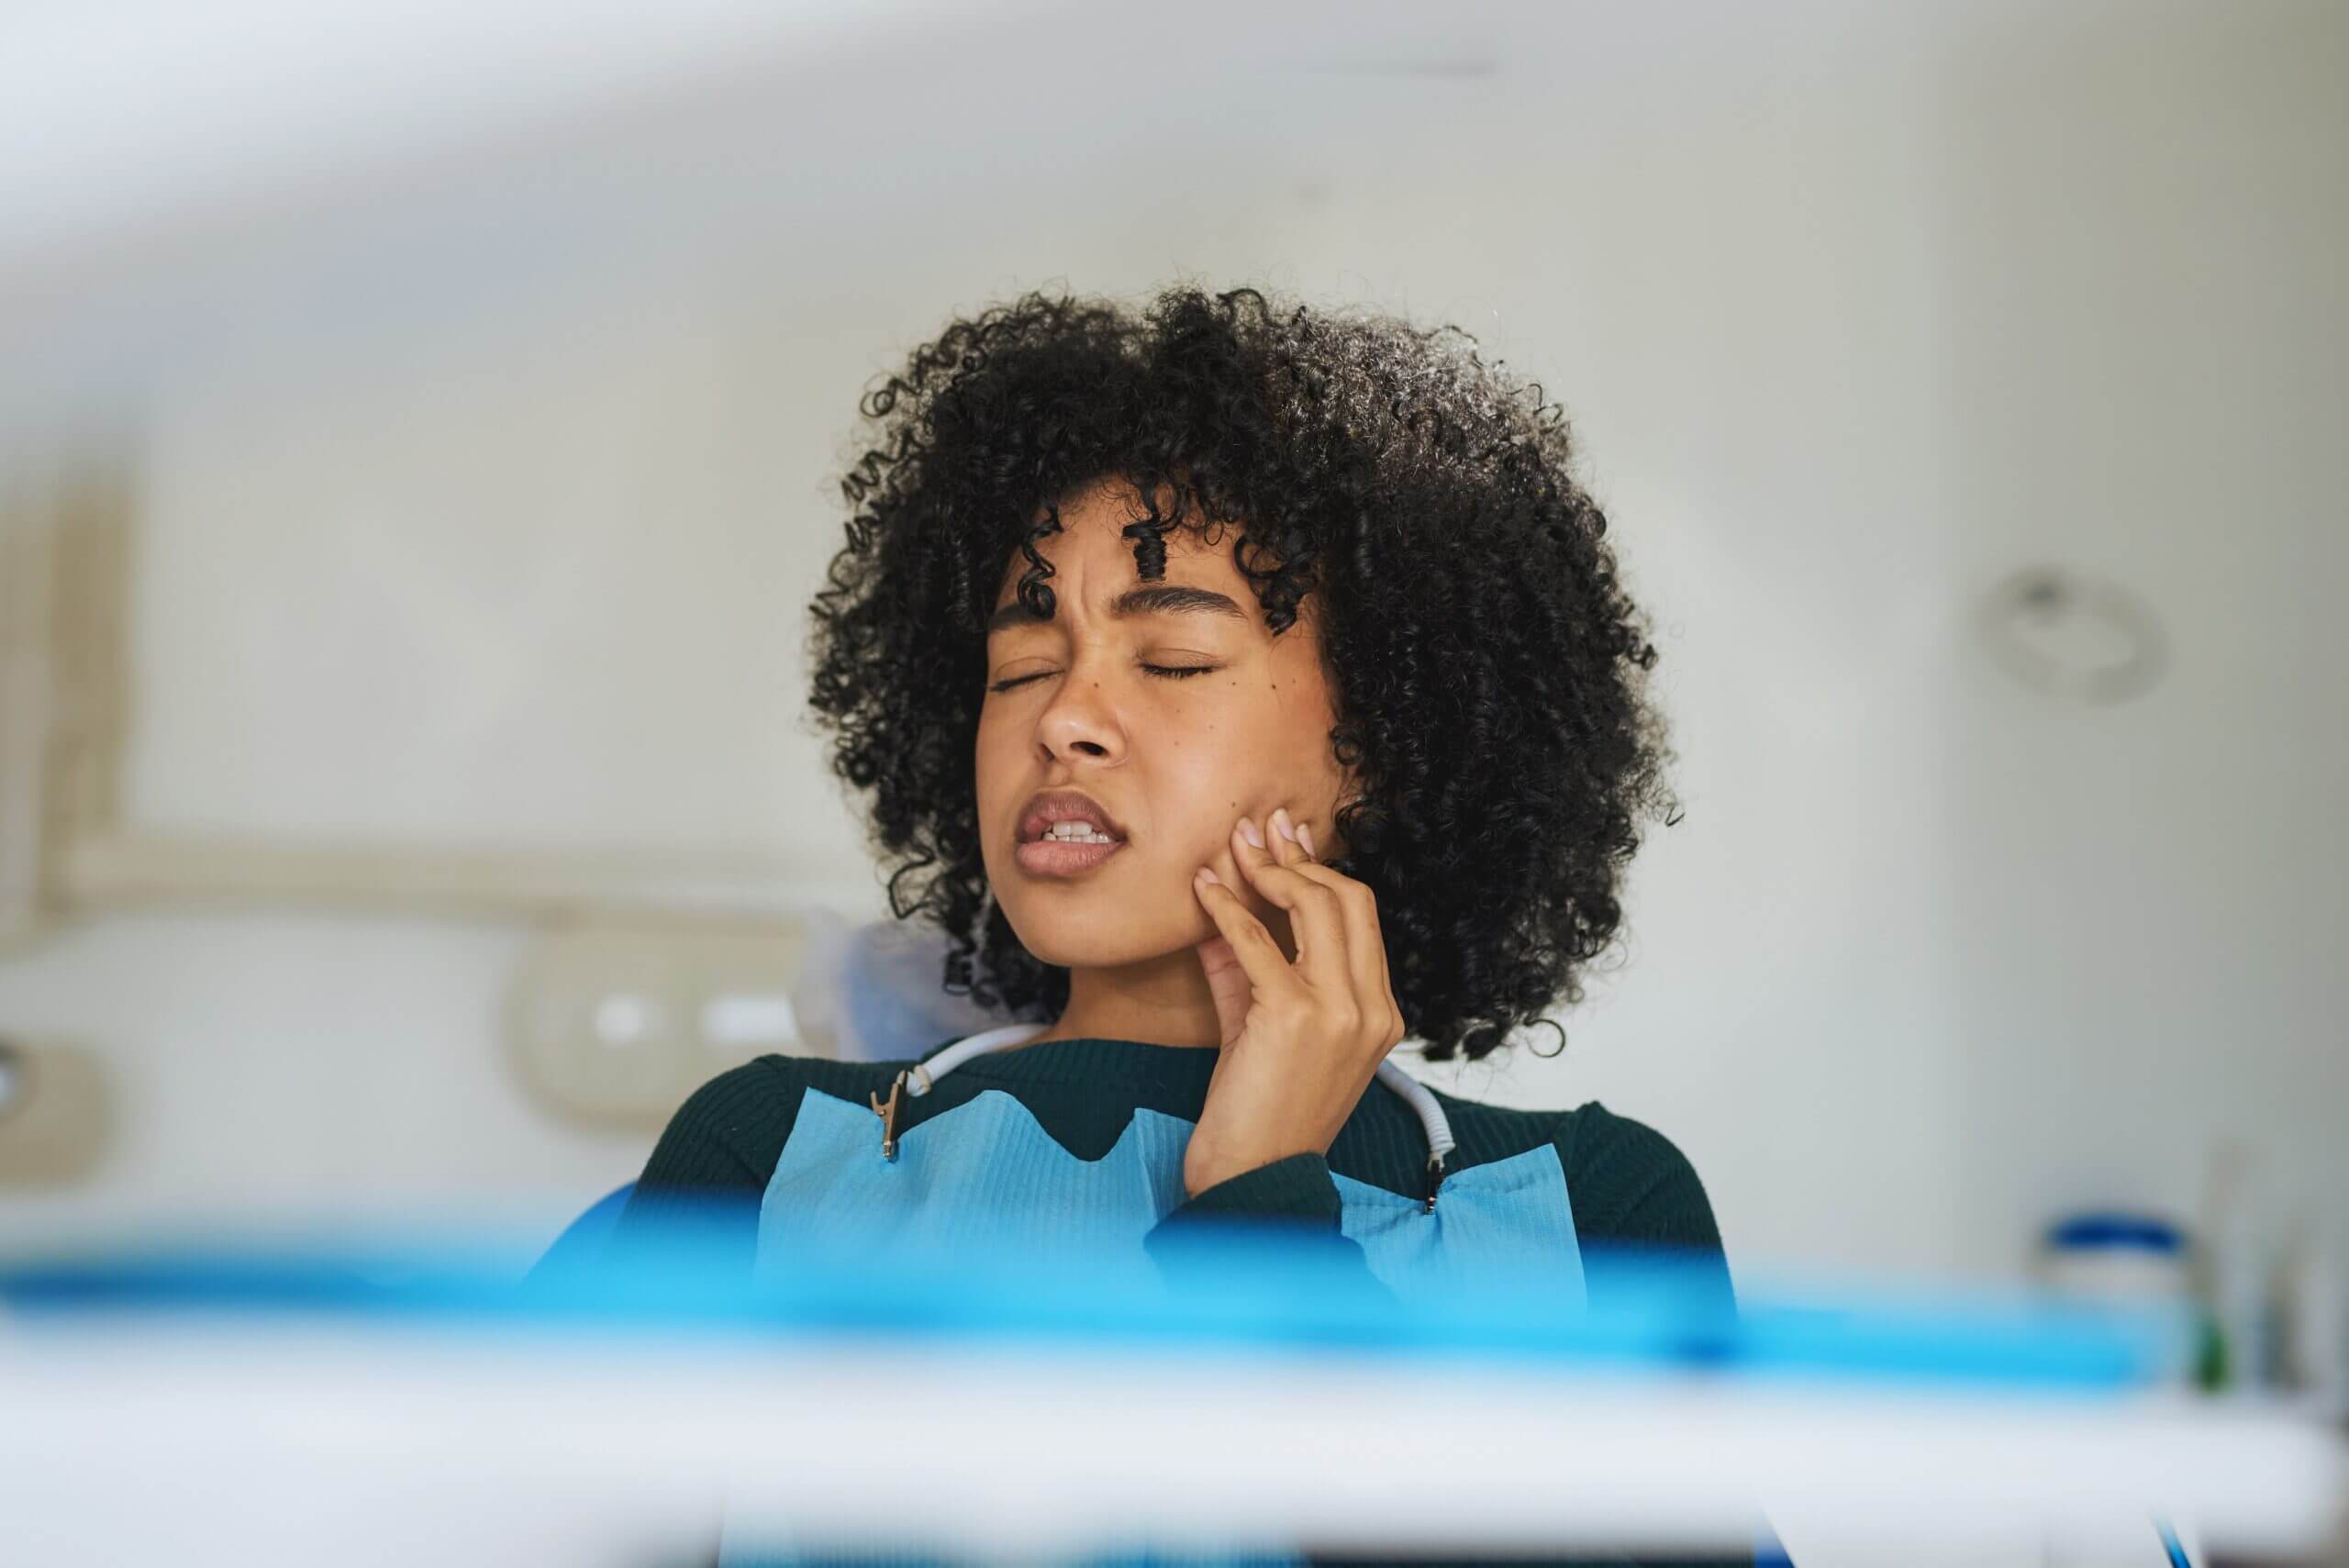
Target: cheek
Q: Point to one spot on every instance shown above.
(1209, 780)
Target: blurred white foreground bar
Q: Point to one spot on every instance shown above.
(211, 1440)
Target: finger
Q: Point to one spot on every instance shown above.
(1290, 842)
(1367, 977)
(1315, 919)
(1260, 959)
(1286, 839)
(1227, 983)
(1365, 939)
(1281, 837)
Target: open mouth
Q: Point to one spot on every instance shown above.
(1067, 816)
(1065, 833)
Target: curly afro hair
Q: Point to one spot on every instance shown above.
(1490, 669)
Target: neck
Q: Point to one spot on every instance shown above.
(1155, 1002)
(1159, 1001)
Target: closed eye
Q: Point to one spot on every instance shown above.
(1163, 672)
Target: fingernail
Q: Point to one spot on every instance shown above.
(1248, 831)
(1280, 822)
(1205, 873)
(1305, 837)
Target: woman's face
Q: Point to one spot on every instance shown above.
(1173, 759)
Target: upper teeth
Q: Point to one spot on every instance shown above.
(1079, 833)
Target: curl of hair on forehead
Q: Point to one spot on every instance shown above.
(1279, 589)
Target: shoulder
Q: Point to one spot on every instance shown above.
(719, 1151)
(1638, 1203)
(1630, 1185)
(732, 1130)
(1635, 1186)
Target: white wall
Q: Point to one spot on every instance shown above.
(2156, 380)
(273, 1069)
(1854, 317)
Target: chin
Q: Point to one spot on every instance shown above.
(1069, 939)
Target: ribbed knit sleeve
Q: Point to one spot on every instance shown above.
(1297, 1189)
(1631, 1187)
(1295, 1195)
(728, 1132)
(713, 1161)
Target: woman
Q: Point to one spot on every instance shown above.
(1299, 626)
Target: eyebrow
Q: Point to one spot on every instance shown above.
(1164, 598)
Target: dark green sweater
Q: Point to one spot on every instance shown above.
(1627, 1185)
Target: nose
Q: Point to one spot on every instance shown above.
(1079, 721)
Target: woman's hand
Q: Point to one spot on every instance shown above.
(1300, 1040)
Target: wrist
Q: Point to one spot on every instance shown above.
(1211, 1164)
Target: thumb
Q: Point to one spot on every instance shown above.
(1229, 983)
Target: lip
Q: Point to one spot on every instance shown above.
(1044, 858)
